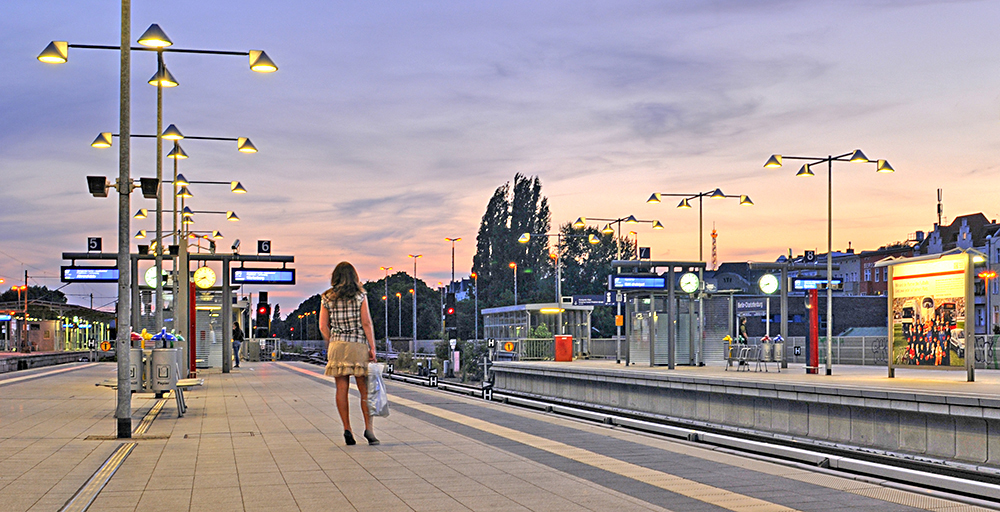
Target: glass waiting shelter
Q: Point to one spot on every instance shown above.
(663, 310)
(525, 321)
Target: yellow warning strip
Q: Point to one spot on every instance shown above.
(706, 493)
(147, 420)
(81, 501)
(4, 382)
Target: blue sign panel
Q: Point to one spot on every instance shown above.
(4, 317)
(594, 300)
(802, 283)
(624, 282)
(89, 274)
(263, 276)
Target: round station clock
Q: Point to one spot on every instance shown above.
(204, 277)
(689, 282)
(768, 283)
(150, 277)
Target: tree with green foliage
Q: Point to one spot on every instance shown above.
(512, 211)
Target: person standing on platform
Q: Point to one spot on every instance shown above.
(743, 338)
(237, 342)
(346, 325)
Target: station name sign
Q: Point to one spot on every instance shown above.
(263, 276)
(633, 282)
(89, 274)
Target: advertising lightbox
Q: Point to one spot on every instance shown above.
(928, 315)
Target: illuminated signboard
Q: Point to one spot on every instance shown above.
(623, 282)
(4, 317)
(263, 276)
(89, 274)
(813, 283)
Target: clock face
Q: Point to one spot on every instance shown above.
(768, 283)
(150, 277)
(204, 277)
(689, 282)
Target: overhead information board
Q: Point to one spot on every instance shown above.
(624, 282)
(89, 274)
(814, 283)
(263, 276)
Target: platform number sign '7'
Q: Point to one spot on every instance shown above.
(263, 247)
(94, 244)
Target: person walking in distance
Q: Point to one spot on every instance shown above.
(743, 338)
(346, 325)
(237, 342)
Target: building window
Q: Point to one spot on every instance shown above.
(868, 274)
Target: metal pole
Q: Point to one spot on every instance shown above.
(515, 283)
(559, 328)
(784, 315)
(227, 315)
(618, 304)
(158, 292)
(476, 278)
(415, 302)
(123, 343)
(829, 266)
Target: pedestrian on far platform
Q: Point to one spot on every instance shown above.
(346, 325)
(743, 338)
(237, 342)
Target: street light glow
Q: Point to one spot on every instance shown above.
(172, 133)
(261, 63)
(155, 37)
(55, 53)
(244, 145)
(102, 141)
(163, 78)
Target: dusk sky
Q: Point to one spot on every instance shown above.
(389, 124)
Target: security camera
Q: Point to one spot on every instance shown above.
(236, 246)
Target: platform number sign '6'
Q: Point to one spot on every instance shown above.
(263, 247)
(94, 244)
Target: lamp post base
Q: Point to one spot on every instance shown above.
(124, 428)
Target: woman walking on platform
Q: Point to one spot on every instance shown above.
(346, 324)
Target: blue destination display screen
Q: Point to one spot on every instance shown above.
(637, 282)
(800, 283)
(89, 274)
(263, 276)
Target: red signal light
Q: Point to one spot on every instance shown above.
(451, 311)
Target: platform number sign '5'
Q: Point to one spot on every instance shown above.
(263, 247)
(94, 244)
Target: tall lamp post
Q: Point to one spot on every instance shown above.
(414, 290)
(451, 287)
(526, 237)
(608, 230)
(685, 203)
(388, 345)
(513, 265)
(855, 156)
(399, 313)
(475, 278)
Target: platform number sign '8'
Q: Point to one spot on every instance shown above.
(263, 247)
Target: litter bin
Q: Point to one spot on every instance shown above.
(766, 351)
(564, 347)
(135, 369)
(163, 369)
(779, 351)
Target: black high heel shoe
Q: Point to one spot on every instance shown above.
(349, 438)
(371, 438)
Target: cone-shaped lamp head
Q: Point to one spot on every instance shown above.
(745, 201)
(140, 234)
(858, 156)
(773, 162)
(608, 230)
(154, 37)
(188, 220)
(237, 188)
(181, 181)
(655, 199)
(187, 212)
(172, 133)
(55, 53)
(184, 192)
(631, 220)
(163, 78)
(177, 153)
(883, 166)
(657, 225)
(141, 214)
(231, 217)
(524, 238)
(805, 171)
(216, 234)
(593, 239)
(684, 203)
(718, 194)
(244, 145)
(261, 63)
(102, 141)
(579, 223)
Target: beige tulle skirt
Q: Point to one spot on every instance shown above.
(347, 358)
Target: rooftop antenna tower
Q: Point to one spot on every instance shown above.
(940, 206)
(715, 251)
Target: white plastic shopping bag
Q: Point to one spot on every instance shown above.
(378, 399)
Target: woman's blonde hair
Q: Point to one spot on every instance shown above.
(344, 282)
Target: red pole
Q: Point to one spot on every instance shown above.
(191, 323)
(813, 347)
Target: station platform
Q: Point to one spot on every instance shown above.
(931, 415)
(267, 437)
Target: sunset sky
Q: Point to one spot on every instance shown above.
(390, 124)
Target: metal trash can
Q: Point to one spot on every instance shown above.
(779, 351)
(163, 369)
(135, 369)
(766, 351)
(252, 351)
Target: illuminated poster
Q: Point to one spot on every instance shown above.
(928, 301)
